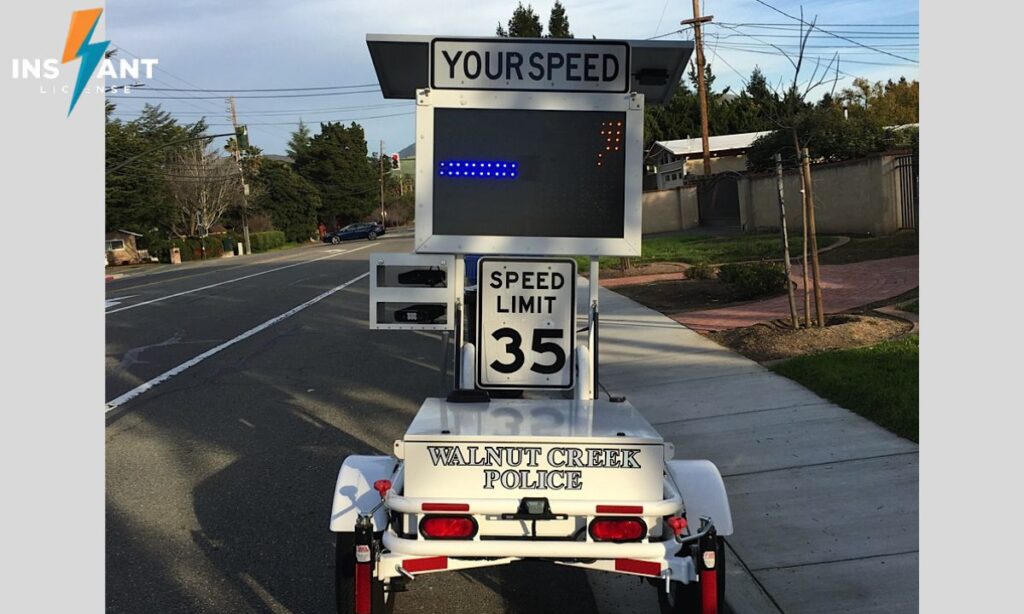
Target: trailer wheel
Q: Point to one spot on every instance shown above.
(345, 578)
(686, 598)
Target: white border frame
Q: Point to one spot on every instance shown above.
(412, 294)
(570, 358)
(632, 104)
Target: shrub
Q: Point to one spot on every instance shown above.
(754, 280)
(266, 241)
(701, 270)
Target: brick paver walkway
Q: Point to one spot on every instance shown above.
(844, 286)
(614, 282)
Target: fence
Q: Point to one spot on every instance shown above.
(876, 195)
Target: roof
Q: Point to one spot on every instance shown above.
(725, 142)
(128, 232)
(408, 152)
(402, 63)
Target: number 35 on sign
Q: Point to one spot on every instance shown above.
(526, 314)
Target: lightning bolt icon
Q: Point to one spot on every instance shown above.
(83, 24)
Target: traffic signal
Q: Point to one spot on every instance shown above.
(395, 162)
(242, 136)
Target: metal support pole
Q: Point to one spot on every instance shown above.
(595, 286)
(460, 298)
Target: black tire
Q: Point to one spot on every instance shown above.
(372, 236)
(345, 577)
(685, 598)
(335, 240)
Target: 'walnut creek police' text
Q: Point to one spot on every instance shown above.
(504, 465)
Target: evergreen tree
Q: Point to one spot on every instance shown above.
(525, 23)
(137, 197)
(558, 23)
(299, 141)
(291, 201)
(337, 164)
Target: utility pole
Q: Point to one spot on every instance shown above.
(785, 241)
(819, 303)
(702, 89)
(380, 163)
(245, 187)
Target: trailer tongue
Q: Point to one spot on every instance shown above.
(480, 479)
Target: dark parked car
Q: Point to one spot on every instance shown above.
(365, 230)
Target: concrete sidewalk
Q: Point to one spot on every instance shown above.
(825, 503)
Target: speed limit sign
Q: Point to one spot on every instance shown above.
(526, 310)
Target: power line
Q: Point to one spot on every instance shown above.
(663, 8)
(319, 121)
(274, 89)
(800, 19)
(371, 91)
(845, 61)
(312, 110)
(831, 25)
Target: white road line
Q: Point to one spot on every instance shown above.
(113, 302)
(230, 281)
(166, 375)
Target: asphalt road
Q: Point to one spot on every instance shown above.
(236, 389)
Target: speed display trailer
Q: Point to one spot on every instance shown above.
(529, 151)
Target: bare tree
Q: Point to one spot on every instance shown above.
(204, 187)
(787, 118)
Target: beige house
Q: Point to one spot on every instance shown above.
(121, 247)
(671, 161)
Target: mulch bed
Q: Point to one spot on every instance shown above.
(672, 297)
(653, 268)
(777, 340)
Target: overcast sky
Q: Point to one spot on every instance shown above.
(236, 44)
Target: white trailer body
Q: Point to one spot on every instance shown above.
(480, 479)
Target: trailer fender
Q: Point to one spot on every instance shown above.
(703, 492)
(354, 491)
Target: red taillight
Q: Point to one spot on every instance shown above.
(617, 529)
(448, 527)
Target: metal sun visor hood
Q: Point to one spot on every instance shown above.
(402, 62)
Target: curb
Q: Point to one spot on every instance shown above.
(744, 594)
(114, 276)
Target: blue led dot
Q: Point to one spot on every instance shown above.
(513, 173)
